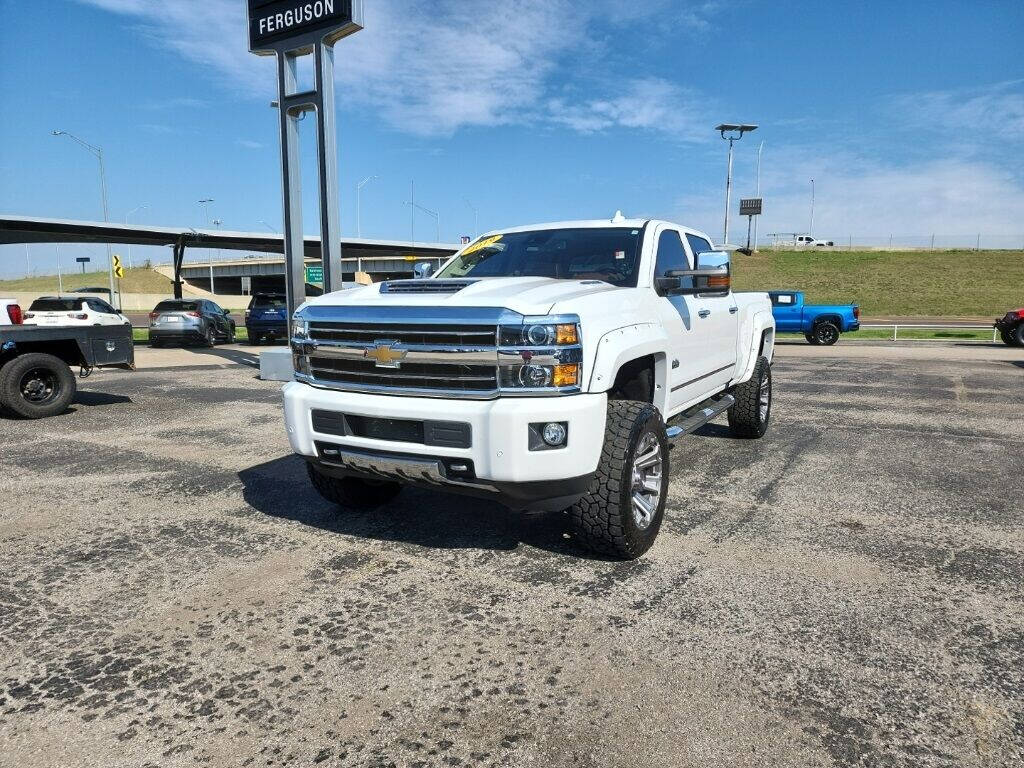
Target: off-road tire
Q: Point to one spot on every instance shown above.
(746, 419)
(826, 332)
(602, 520)
(61, 380)
(353, 492)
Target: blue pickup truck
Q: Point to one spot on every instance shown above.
(819, 323)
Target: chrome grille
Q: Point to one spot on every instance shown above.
(427, 334)
(437, 376)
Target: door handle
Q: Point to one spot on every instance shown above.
(704, 313)
(733, 310)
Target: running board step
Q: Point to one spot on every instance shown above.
(699, 415)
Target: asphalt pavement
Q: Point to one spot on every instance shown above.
(846, 591)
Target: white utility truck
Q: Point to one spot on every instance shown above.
(545, 367)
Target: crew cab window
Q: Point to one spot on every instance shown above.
(698, 245)
(671, 254)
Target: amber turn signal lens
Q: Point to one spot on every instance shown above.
(566, 334)
(718, 282)
(566, 375)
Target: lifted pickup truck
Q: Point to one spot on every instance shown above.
(538, 368)
(819, 323)
(35, 363)
(1011, 327)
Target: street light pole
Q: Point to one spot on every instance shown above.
(476, 218)
(205, 202)
(435, 214)
(810, 229)
(757, 192)
(359, 205)
(133, 210)
(98, 152)
(735, 131)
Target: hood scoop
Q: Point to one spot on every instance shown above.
(424, 286)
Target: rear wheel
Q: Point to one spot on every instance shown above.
(811, 338)
(36, 385)
(621, 514)
(826, 333)
(1017, 335)
(353, 492)
(210, 338)
(749, 416)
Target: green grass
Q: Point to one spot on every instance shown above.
(142, 335)
(879, 333)
(138, 280)
(900, 283)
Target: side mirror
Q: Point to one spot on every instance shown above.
(226, 312)
(665, 286)
(422, 270)
(712, 276)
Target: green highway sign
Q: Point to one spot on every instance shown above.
(315, 274)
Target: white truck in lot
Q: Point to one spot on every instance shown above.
(545, 367)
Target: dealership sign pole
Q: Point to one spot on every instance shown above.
(289, 29)
(750, 207)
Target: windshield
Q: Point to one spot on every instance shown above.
(55, 305)
(611, 254)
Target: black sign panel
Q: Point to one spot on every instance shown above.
(750, 206)
(274, 21)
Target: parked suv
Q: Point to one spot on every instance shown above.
(267, 317)
(190, 320)
(73, 310)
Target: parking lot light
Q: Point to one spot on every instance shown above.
(735, 132)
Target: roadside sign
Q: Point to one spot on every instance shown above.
(465, 239)
(119, 271)
(274, 21)
(83, 259)
(750, 206)
(315, 274)
(117, 260)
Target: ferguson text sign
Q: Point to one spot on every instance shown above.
(274, 21)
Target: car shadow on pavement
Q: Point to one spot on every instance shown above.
(418, 517)
(98, 398)
(231, 355)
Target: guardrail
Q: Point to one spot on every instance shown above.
(912, 326)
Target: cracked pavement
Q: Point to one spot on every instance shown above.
(846, 591)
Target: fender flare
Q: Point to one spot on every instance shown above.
(761, 322)
(621, 345)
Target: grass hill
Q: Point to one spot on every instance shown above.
(138, 280)
(903, 283)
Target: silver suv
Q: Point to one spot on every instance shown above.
(184, 321)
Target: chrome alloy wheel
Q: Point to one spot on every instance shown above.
(764, 402)
(646, 487)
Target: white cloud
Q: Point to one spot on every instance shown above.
(982, 114)
(870, 200)
(249, 144)
(433, 68)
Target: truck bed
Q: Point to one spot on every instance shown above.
(97, 346)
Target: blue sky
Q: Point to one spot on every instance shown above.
(909, 116)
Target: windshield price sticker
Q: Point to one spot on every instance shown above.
(479, 245)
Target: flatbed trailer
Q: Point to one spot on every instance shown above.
(36, 377)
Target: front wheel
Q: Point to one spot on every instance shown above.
(621, 514)
(749, 415)
(1017, 335)
(353, 492)
(36, 385)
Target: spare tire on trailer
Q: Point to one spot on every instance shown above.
(36, 385)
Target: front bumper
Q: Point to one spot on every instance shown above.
(501, 464)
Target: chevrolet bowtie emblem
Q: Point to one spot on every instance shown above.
(385, 355)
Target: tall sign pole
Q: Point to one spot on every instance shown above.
(288, 29)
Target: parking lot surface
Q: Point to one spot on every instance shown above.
(846, 591)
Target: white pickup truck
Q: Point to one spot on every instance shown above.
(545, 367)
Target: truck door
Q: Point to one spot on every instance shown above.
(717, 322)
(787, 310)
(686, 364)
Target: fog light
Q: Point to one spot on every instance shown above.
(554, 433)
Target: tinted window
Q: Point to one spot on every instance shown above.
(268, 302)
(671, 254)
(56, 305)
(97, 305)
(177, 306)
(698, 245)
(611, 254)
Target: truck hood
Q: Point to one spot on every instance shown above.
(525, 295)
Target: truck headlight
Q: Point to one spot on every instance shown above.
(540, 355)
(300, 327)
